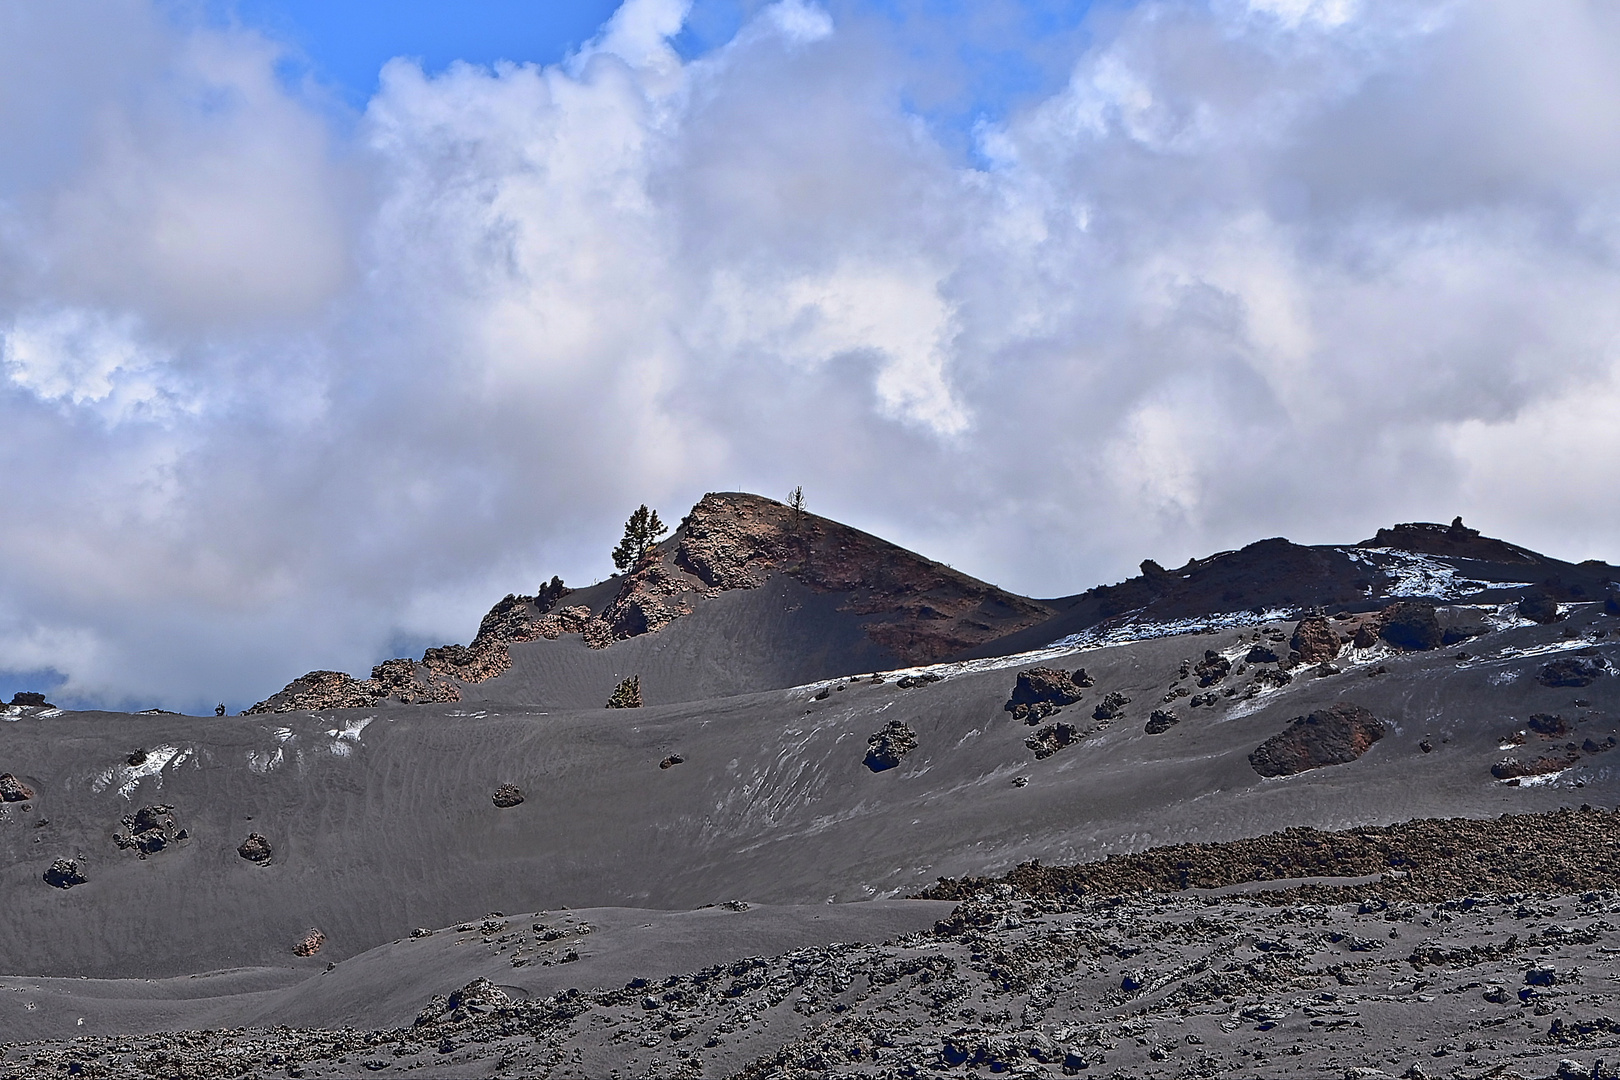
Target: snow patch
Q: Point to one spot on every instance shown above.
(126, 777)
(1413, 573)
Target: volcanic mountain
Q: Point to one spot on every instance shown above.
(1083, 789)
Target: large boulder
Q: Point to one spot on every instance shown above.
(1336, 735)
(13, 789)
(1411, 625)
(1042, 691)
(1582, 669)
(885, 749)
(1315, 640)
(1539, 606)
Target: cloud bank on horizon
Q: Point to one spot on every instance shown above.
(282, 391)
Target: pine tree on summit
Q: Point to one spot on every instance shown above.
(641, 532)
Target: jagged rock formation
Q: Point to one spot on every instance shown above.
(150, 830)
(1315, 640)
(921, 610)
(310, 942)
(1336, 735)
(13, 789)
(64, 874)
(885, 749)
(255, 849)
(507, 796)
(1040, 692)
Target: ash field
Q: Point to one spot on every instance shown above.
(1339, 811)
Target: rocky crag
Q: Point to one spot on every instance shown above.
(920, 610)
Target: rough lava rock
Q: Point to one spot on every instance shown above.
(1582, 669)
(1112, 707)
(310, 942)
(1539, 606)
(1315, 640)
(149, 830)
(1042, 691)
(507, 796)
(1411, 625)
(64, 874)
(1052, 738)
(30, 699)
(885, 749)
(14, 790)
(255, 849)
(1161, 721)
(1336, 735)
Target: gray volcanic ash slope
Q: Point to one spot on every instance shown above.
(1428, 674)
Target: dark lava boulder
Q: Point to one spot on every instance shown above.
(149, 830)
(1539, 607)
(64, 874)
(627, 695)
(1042, 691)
(1580, 670)
(885, 749)
(1212, 668)
(1052, 738)
(671, 761)
(1262, 654)
(1548, 724)
(1161, 721)
(1336, 735)
(1315, 640)
(507, 796)
(14, 790)
(255, 849)
(1111, 708)
(30, 699)
(1411, 625)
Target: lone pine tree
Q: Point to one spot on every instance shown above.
(641, 532)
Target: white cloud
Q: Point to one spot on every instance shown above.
(278, 392)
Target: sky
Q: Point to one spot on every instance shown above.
(324, 326)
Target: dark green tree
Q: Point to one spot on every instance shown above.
(641, 532)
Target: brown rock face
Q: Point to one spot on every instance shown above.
(310, 943)
(1335, 735)
(14, 790)
(921, 610)
(1316, 640)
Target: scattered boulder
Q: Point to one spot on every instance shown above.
(1458, 624)
(885, 749)
(478, 997)
(1539, 606)
(149, 830)
(1052, 738)
(1411, 625)
(1161, 721)
(14, 790)
(627, 695)
(1262, 654)
(507, 796)
(1212, 668)
(1336, 735)
(1041, 691)
(1112, 707)
(310, 943)
(1580, 670)
(64, 874)
(1272, 677)
(907, 682)
(255, 849)
(671, 761)
(1513, 769)
(1315, 640)
(1549, 724)
(1365, 637)
(30, 699)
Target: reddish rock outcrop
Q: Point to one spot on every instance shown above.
(1336, 735)
(1316, 640)
(13, 789)
(627, 695)
(310, 943)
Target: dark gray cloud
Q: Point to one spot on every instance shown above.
(278, 394)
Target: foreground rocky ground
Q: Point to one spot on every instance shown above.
(1454, 949)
